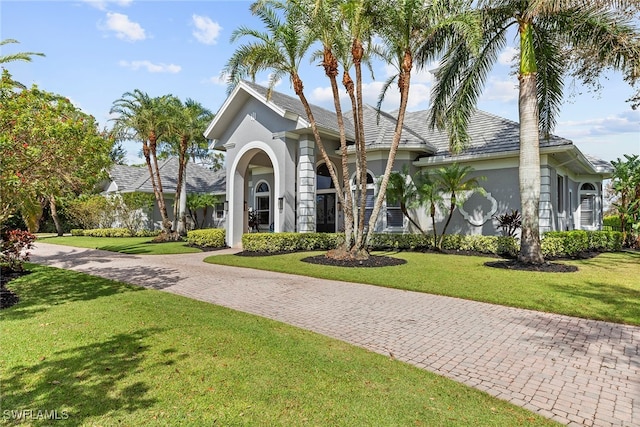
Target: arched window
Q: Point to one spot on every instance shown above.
(323, 179)
(263, 205)
(588, 208)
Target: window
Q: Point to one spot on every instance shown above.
(219, 208)
(560, 189)
(323, 179)
(588, 215)
(395, 218)
(263, 205)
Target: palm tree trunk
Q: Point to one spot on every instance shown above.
(162, 206)
(405, 212)
(357, 52)
(452, 207)
(404, 82)
(330, 63)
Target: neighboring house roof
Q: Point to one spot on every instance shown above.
(490, 135)
(199, 179)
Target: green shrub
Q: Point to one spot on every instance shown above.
(611, 222)
(208, 237)
(107, 232)
(572, 243)
(147, 233)
(406, 242)
(605, 241)
(290, 242)
(77, 232)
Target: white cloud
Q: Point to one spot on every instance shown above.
(625, 122)
(217, 80)
(507, 56)
(502, 90)
(151, 67)
(206, 31)
(124, 28)
(102, 4)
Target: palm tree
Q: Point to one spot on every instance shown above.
(279, 50)
(555, 37)
(402, 191)
(416, 31)
(20, 56)
(188, 121)
(429, 194)
(455, 181)
(143, 118)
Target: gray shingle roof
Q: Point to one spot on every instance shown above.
(199, 179)
(488, 133)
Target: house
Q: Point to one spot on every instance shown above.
(273, 167)
(126, 179)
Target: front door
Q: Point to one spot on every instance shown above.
(326, 213)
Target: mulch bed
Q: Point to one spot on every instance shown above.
(372, 261)
(547, 267)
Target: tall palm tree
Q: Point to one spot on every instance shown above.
(455, 181)
(280, 50)
(187, 124)
(550, 33)
(145, 119)
(417, 31)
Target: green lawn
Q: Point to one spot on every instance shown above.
(104, 353)
(126, 245)
(606, 287)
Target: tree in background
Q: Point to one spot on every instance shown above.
(197, 201)
(146, 119)
(454, 181)
(56, 151)
(556, 38)
(185, 138)
(625, 184)
(403, 192)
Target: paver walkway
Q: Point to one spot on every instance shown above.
(575, 371)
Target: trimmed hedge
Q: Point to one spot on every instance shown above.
(208, 238)
(555, 244)
(107, 232)
(77, 232)
(290, 242)
(560, 244)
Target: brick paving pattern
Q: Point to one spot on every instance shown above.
(578, 372)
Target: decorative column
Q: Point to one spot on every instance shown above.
(306, 187)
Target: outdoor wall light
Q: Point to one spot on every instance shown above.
(280, 203)
(339, 206)
(226, 206)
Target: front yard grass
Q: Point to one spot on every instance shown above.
(101, 352)
(125, 245)
(606, 287)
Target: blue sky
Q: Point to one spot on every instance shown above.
(98, 50)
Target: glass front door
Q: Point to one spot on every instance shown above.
(326, 213)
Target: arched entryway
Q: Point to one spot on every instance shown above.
(254, 182)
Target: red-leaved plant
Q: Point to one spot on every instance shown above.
(14, 249)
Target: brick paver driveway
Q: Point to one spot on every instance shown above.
(575, 371)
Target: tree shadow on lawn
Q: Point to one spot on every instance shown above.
(617, 303)
(48, 286)
(86, 381)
